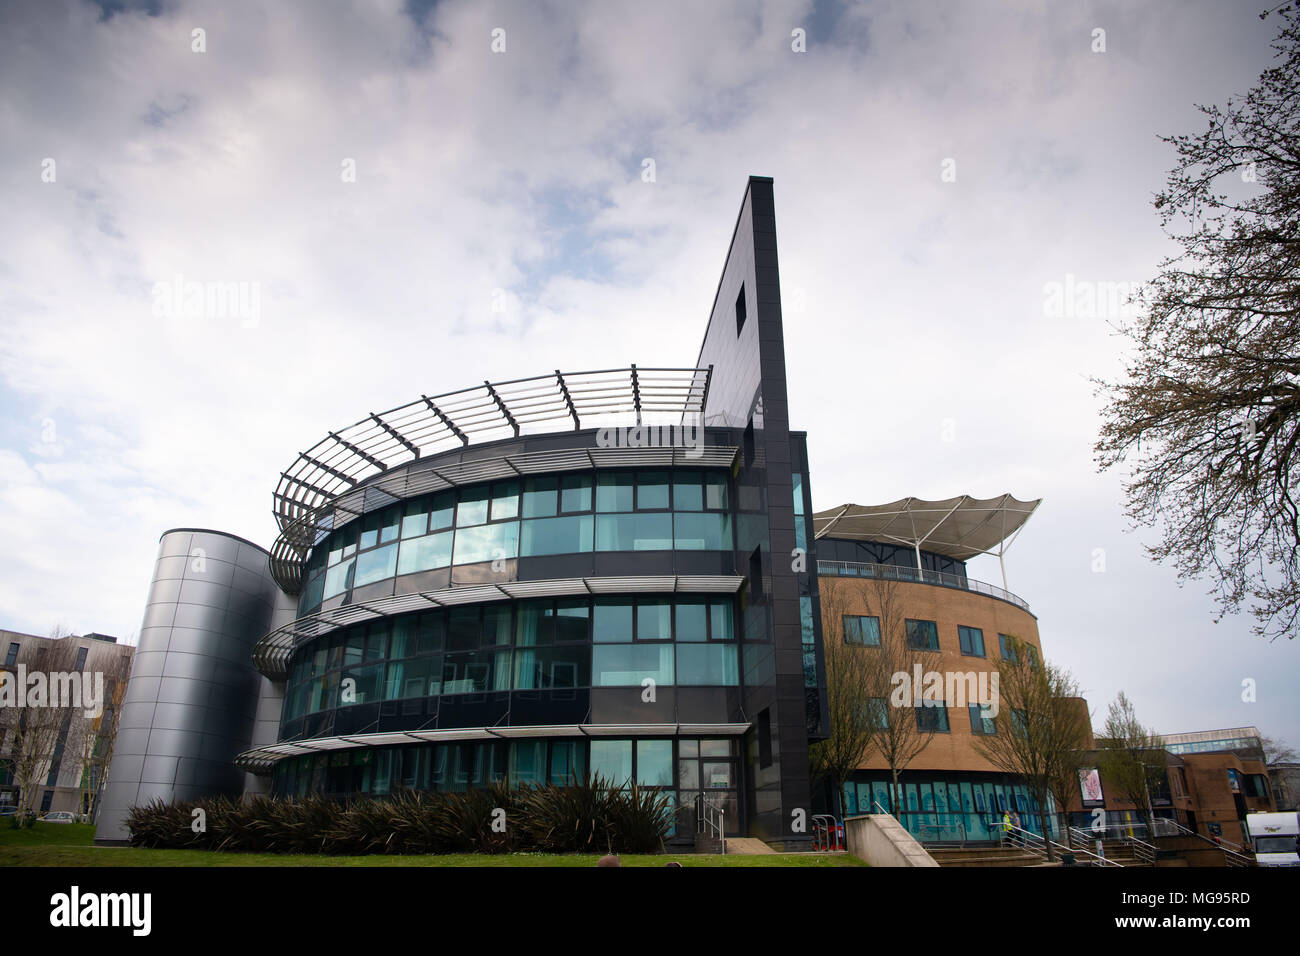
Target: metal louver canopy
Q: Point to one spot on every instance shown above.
(346, 458)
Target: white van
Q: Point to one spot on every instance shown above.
(1276, 837)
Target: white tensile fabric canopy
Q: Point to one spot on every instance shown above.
(959, 527)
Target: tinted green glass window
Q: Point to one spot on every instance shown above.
(426, 553)
(634, 532)
(442, 510)
(688, 491)
(541, 497)
(473, 507)
(612, 620)
(612, 760)
(338, 578)
(627, 665)
(707, 665)
(654, 763)
(572, 534)
(614, 492)
(654, 619)
(652, 491)
(715, 491)
(692, 621)
(487, 542)
(415, 519)
(376, 565)
(575, 493)
(707, 531)
(505, 500)
(721, 622)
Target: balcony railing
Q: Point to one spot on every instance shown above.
(894, 572)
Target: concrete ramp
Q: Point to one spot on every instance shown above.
(880, 840)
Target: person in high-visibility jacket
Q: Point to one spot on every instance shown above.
(1006, 826)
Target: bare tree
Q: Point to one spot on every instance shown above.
(1131, 756)
(848, 670)
(92, 739)
(895, 726)
(1041, 727)
(1209, 407)
(1277, 751)
(30, 730)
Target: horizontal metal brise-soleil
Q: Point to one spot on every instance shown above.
(271, 653)
(345, 459)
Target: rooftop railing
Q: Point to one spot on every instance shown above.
(895, 572)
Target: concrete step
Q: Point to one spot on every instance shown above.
(747, 845)
(983, 856)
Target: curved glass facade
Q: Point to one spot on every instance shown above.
(689, 766)
(561, 645)
(576, 513)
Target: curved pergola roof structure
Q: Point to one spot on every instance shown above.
(343, 471)
(959, 528)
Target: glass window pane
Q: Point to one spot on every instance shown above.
(415, 521)
(527, 761)
(634, 532)
(530, 628)
(707, 665)
(721, 624)
(614, 492)
(575, 493)
(688, 491)
(463, 629)
(654, 763)
(715, 491)
(496, 625)
(337, 578)
(715, 748)
(627, 665)
(505, 500)
(652, 491)
(702, 532)
(654, 620)
(571, 622)
(612, 620)
(422, 554)
(489, 542)
(441, 510)
(541, 497)
(566, 535)
(567, 764)
(688, 774)
(692, 621)
(612, 760)
(473, 507)
(717, 775)
(688, 748)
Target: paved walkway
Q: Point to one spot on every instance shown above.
(747, 845)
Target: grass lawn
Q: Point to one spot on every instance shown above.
(72, 844)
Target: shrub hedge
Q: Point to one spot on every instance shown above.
(591, 817)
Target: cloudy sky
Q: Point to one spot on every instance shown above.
(937, 167)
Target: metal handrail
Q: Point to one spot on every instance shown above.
(1142, 850)
(711, 821)
(1234, 854)
(900, 573)
(1028, 835)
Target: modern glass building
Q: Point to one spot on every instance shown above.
(523, 581)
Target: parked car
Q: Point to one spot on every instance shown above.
(59, 816)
